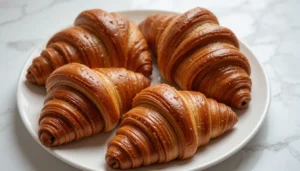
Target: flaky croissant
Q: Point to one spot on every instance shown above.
(81, 102)
(196, 53)
(97, 39)
(165, 124)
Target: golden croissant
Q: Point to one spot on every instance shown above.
(81, 102)
(97, 39)
(165, 124)
(196, 53)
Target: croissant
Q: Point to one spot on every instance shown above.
(81, 102)
(198, 54)
(165, 124)
(97, 39)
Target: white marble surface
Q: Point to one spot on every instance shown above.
(270, 27)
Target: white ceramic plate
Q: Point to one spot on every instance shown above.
(88, 153)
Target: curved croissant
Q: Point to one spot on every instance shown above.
(196, 53)
(81, 102)
(98, 39)
(165, 124)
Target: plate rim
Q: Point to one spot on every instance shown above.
(221, 158)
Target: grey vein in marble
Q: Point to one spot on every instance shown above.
(295, 153)
(23, 45)
(9, 110)
(274, 146)
(4, 119)
(25, 14)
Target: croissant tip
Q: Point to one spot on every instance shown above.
(47, 139)
(112, 162)
(117, 158)
(33, 76)
(243, 103)
(30, 77)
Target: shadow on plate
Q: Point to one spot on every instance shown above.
(37, 90)
(246, 159)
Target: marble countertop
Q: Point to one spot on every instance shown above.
(270, 27)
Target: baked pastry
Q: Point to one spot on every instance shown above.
(198, 54)
(165, 124)
(81, 102)
(98, 39)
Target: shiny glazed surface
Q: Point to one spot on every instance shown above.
(198, 54)
(97, 39)
(81, 102)
(166, 124)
